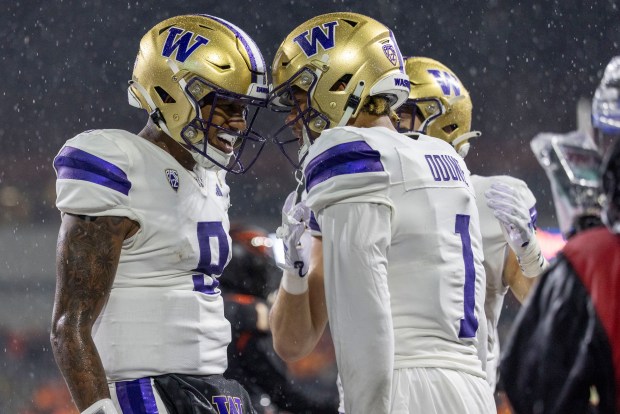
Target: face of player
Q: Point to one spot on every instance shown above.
(227, 114)
(407, 117)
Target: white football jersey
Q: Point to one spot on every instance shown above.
(435, 276)
(496, 251)
(165, 313)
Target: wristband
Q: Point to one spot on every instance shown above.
(292, 283)
(105, 406)
(532, 261)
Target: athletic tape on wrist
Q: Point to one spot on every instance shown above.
(293, 284)
(532, 261)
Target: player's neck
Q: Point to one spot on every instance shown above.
(156, 136)
(366, 120)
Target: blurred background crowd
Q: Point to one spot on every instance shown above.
(65, 66)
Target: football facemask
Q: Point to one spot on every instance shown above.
(184, 59)
(339, 59)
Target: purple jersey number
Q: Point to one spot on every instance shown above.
(469, 324)
(208, 230)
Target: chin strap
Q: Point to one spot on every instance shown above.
(352, 103)
(155, 114)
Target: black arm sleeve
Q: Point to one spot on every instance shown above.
(557, 348)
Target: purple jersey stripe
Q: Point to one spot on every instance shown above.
(314, 225)
(348, 158)
(75, 164)
(136, 397)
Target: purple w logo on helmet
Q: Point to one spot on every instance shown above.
(182, 44)
(447, 81)
(324, 35)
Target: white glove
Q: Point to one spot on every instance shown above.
(296, 239)
(514, 215)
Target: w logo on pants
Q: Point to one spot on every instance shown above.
(324, 35)
(228, 405)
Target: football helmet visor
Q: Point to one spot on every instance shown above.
(188, 63)
(338, 60)
(440, 101)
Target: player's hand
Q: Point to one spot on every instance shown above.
(295, 236)
(513, 213)
(510, 209)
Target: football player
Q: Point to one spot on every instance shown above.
(138, 317)
(565, 342)
(440, 106)
(400, 247)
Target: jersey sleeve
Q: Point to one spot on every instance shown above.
(343, 166)
(356, 237)
(92, 177)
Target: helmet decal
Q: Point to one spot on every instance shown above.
(390, 53)
(439, 101)
(325, 35)
(401, 64)
(182, 44)
(447, 81)
(257, 62)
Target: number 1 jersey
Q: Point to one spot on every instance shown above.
(435, 275)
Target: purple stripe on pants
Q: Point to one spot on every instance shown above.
(136, 397)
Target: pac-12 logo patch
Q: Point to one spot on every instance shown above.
(173, 179)
(390, 53)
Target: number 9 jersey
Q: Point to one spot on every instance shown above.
(165, 312)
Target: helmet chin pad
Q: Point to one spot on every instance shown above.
(214, 160)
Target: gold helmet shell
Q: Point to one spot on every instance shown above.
(441, 100)
(338, 49)
(185, 58)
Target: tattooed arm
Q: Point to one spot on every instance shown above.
(87, 256)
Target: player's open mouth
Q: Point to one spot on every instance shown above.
(226, 142)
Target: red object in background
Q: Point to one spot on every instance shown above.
(51, 398)
(551, 242)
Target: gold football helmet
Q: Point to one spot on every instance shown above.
(441, 101)
(326, 53)
(187, 62)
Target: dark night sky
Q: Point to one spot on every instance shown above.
(65, 66)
